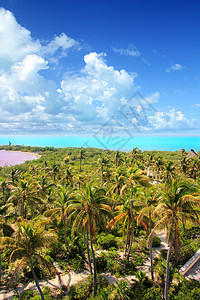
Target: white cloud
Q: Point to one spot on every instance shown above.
(175, 67)
(16, 42)
(130, 51)
(82, 103)
(170, 120)
(62, 42)
(99, 89)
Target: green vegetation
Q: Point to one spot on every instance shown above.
(77, 209)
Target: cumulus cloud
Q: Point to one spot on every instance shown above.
(130, 51)
(99, 89)
(170, 120)
(16, 42)
(83, 102)
(175, 67)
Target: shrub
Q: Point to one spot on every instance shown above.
(156, 242)
(26, 295)
(106, 241)
(83, 289)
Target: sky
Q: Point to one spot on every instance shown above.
(73, 67)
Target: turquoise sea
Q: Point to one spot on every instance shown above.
(168, 143)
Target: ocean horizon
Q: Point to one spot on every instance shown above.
(124, 143)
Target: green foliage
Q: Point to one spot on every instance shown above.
(156, 242)
(186, 290)
(106, 241)
(83, 289)
(26, 295)
(111, 262)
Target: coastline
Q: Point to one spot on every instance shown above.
(144, 143)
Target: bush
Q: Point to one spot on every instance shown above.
(106, 241)
(156, 242)
(114, 264)
(26, 295)
(83, 289)
(139, 260)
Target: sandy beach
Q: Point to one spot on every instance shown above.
(11, 158)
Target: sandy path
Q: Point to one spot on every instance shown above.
(72, 277)
(146, 267)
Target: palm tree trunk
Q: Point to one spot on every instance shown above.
(150, 248)
(65, 236)
(167, 269)
(132, 224)
(127, 238)
(0, 267)
(101, 175)
(80, 164)
(88, 252)
(94, 263)
(36, 280)
(183, 223)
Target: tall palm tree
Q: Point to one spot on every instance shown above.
(60, 205)
(104, 161)
(135, 177)
(123, 214)
(150, 201)
(81, 156)
(172, 206)
(27, 244)
(159, 164)
(88, 210)
(118, 158)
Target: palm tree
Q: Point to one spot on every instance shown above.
(60, 206)
(24, 195)
(118, 158)
(4, 186)
(193, 167)
(123, 214)
(169, 169)
(118, 180)
(81, 157)
(149, 164)
(184, 163)
(172, 206)
(88, 210)
(136, 177)
(151, 198)
(159, 163)
(43, 185)
(6, 229)
(28, 244)
(104, 161)
(67, 178)
(54, 171)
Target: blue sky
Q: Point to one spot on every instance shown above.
(69, 67)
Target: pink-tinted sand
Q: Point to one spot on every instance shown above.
(11, 158)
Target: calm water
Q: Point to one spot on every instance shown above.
(11, 158)
(169, 143)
